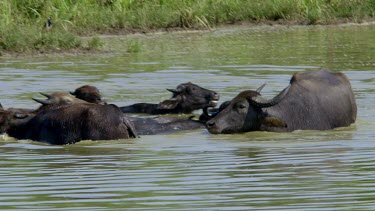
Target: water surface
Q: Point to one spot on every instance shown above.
(194, 170)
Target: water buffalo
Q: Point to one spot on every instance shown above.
(15, 117)
(88, 93)
(147, 125)
(64, 119)
(315, 100)
(186, 98)
(164, 124)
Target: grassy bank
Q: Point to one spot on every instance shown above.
(22, 23)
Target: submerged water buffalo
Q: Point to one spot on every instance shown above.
(147, 125)
(164, 124)
(186, 98)
(315, 100)
(64, 119)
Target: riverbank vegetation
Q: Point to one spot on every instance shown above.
(23, 23)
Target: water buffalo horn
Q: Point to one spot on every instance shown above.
(260, 88)
(174, 91)
(72, 93)
(46, 95)
(43, 102)
(205, 111)
(210, 113)
(264, 103)
(1, 106)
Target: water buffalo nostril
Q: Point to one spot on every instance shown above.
(215, 95)
(210, 124)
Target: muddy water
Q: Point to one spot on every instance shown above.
(194, 170)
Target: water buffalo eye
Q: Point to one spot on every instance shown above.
(20, 116)
(241, 106)
(67, 101)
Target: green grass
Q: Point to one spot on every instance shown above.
(94, 43)
(22, 22)
(133, 46)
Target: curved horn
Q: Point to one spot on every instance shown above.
(72, 93)
(210, 113)
(43, 102)
(260, 88)
(205, 111)
(46, 95)
(174, 91)
(264, 103)
(1, 106)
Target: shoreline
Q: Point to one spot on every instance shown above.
(240, 24)
(175, 30)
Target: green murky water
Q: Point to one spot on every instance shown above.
(194, 170)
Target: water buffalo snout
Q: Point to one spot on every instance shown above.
(215, 96)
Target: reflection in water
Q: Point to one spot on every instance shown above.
(302, 170)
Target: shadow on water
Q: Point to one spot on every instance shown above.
(194, 170)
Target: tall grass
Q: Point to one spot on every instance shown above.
(22, 22)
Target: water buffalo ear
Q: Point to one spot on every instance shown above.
(168, 104)
(272, 121)
(131, 128)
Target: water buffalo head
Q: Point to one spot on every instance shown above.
(88, 93)
(12, 118)
(244, 113)
(188, 97)
(209, 113)
(58, 98)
